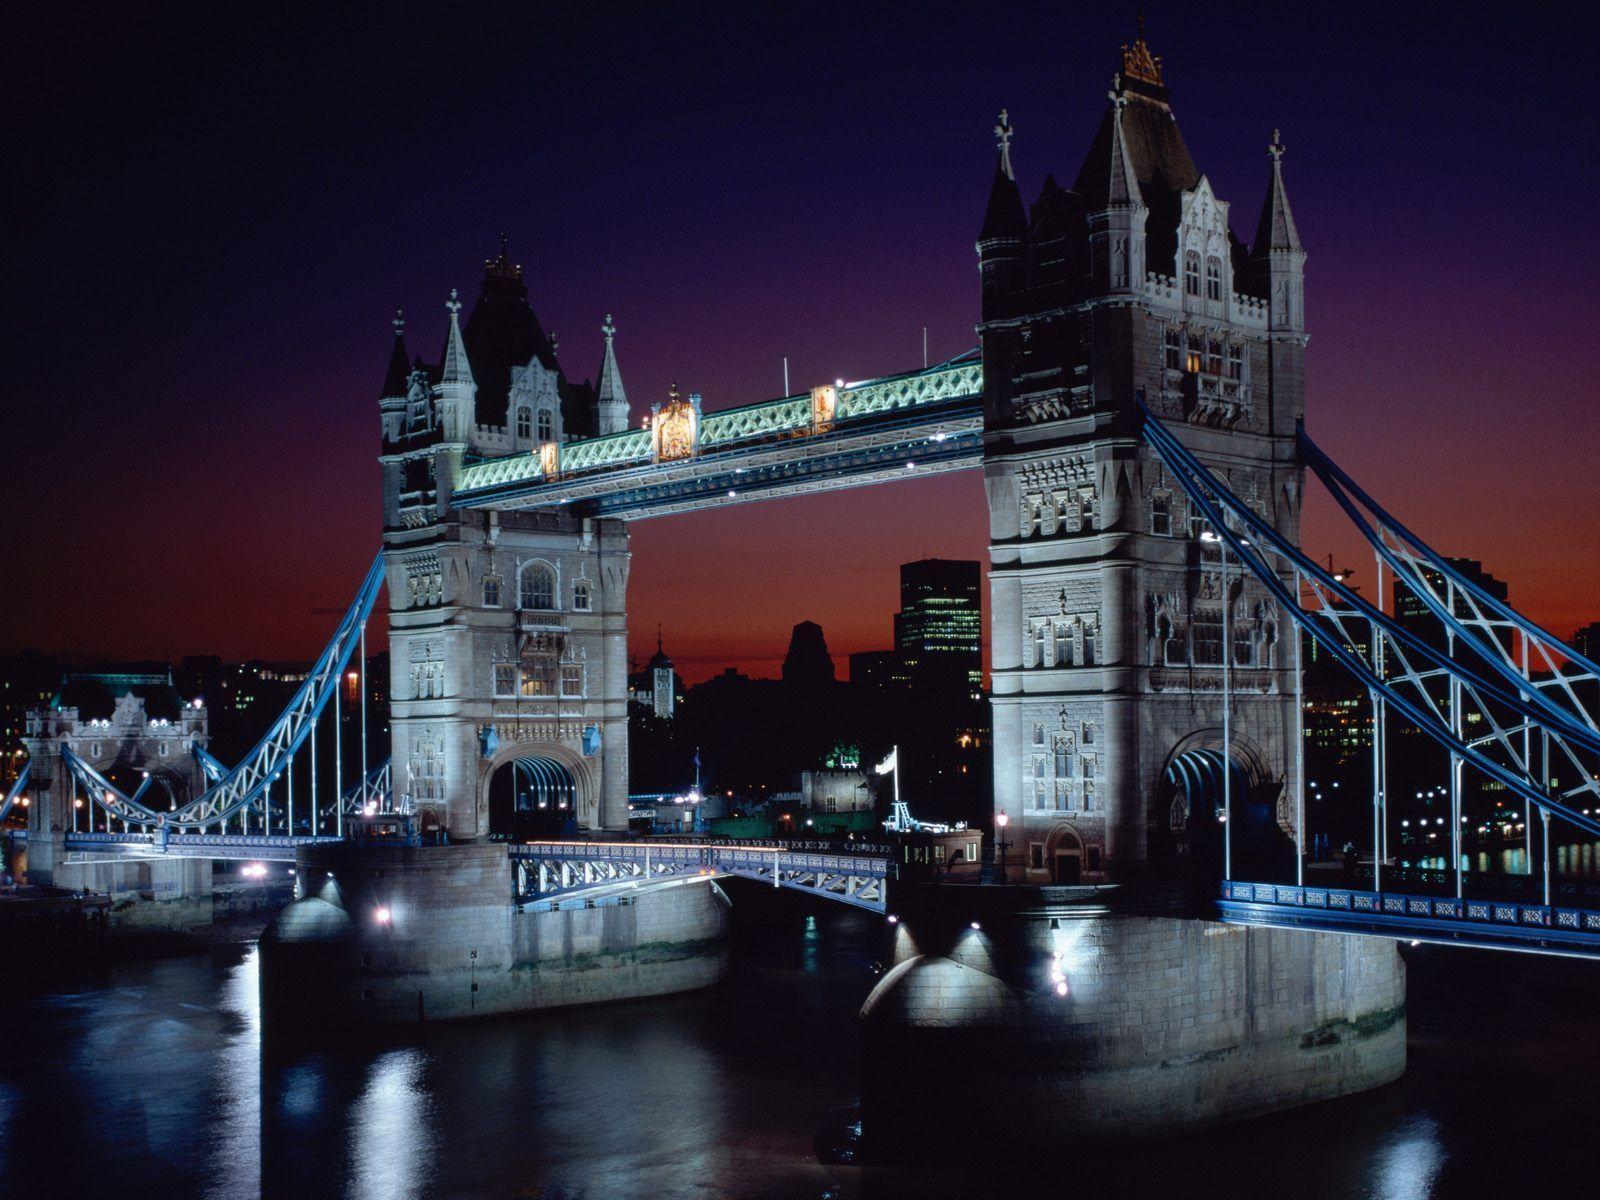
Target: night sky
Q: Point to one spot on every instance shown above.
(213, 223)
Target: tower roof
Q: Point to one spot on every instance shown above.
(1119, 186)
(1276, 229)
(1152, 147)
(659, 660)
(503, 332)
(610, 377)
(398, 379)
(1004, 217)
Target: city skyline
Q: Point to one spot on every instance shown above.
(234, 369)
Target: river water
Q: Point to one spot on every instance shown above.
(156, 1083)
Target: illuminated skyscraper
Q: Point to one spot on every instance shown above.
(938, 631)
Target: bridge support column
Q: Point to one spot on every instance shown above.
(1089, 1014)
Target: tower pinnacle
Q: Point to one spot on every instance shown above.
(456, 369)
(610, 396)
(1003, 133)
(397, 380)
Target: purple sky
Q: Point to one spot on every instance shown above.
(217, 222)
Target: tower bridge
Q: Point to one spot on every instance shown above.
(1137, 408)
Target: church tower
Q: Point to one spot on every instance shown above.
(1107, 594)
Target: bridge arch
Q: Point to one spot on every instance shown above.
(521, 776)
(1196, 780)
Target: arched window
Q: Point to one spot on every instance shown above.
(1191, 272)
(524, 423)
(547, 425)
(538, 587)
(491, 591)
(1213, 278)
(580, 595)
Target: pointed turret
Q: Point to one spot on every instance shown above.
(1005, 223)
(1278, 260)
(612, 399)
(1117, 211)
(457, 390)
(398, 380)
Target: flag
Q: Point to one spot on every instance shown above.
(889, 764)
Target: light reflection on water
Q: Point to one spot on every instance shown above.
(156, 1084)
(1578, 860)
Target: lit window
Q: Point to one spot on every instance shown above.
(539, 675)
(1213, 278)
(546, 425)
(580, 595)
(524, 423)
(1191, 272)
(538, 590)
(491, 591)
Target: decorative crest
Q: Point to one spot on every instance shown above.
(609, 329)
(673, 396)
(502, 266)
(1137, 61)
(1115, 95)
(1275, 151)
(1003, 133)
(399, 322)
(453, 304)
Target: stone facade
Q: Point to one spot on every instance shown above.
(1107, 593)
(452, 944)
(508, 631)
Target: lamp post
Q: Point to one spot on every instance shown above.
(1001, 820)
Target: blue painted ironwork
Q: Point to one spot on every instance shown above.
(1251, 538)
(15, 792)
(550, 870)
(244, 786)
(1493, 924)
(258, 847)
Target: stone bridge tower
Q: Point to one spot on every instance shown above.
(508, 630)
(1107, 593)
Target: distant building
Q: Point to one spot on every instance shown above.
(808, 666)
(657, 686)
(1585, 641)
(938, 632)
(1418, 618)
(875, 672)
(835, 791)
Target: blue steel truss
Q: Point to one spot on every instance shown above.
(244, 786)
(15, 792)
(548, 872)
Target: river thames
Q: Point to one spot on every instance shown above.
(156, 1082)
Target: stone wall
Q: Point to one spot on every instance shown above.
(394, 935)
(1164, 1024)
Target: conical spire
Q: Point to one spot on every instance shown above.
(1276, 229)
(456, 368)
(1122, 181)
(611, 390)
(1004, 218)
(398, 380)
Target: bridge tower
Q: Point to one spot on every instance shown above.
(1109, 599)
(507, 631)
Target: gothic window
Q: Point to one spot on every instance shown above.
(580, 595)
(1038, 735)
(1038, 645)
(538, 588)
(1213, 278)
(1086, 503)
(1166, 647)
(1091, 635)
(1036, 855)
(524, 423)
(505, 679)
(1195, 358)
(546, 425)
(1063, 644)
(1191, 272)
(1173, 344)
(572, 679)
(491, 591)
(1235, 361)
(1088, 767)
(1208, 635)
(1269, 642)
(1121, 256)
(427, 772)
(1041, 766)
(1214, 357)
(1161, 513)
(539, 676)
(1032, 515)
(1049, 518)
(1243, 645)
(1088, 733)
(1088, 795)
(1063, 760)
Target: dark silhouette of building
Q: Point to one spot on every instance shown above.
(938, 632)
(808, 666)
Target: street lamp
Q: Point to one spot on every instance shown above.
(1001, 820)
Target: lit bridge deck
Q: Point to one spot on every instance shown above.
(1491, 924)
(256, 847)
(550, 872)
(921, 422)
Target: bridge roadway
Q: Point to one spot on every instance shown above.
(922, 422)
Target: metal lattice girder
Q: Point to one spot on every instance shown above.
(375, 791)
(555, 868)
(17, 785)
(597, 467)
(244, 847)
(1254, 541)
(1507, 641)
(246, 784)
